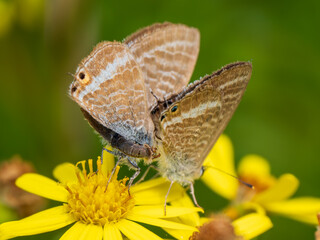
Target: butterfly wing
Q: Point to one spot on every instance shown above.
(189, 123)
(167, 54)
(109, 86)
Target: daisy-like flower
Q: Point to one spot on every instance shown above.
(95, 211)
(270, 194)
(219, 226)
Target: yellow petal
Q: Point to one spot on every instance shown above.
(254, 165)
(251, 225)
(191, 219)
(157, 211)
(108, 161)
(179, 234)
(304, 208)
(221, 157)
(159, 222)
(308, 218)
(252, 206)
(45, 221)
(135, 231)
(148, 184)
(156, 195)
(65, 172)
(111, 232)
(204, 220)
(82, 231)
(284, 188)
(42, 186)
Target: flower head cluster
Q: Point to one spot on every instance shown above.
(218, 226)
(96, 209)
(270, 194)
(100, 207)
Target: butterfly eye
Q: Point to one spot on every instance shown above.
(174, 108)
(162, 117)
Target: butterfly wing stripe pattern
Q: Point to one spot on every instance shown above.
(201, 112)
(167, 54)
(231, 82)
(109, 86)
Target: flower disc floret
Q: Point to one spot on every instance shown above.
(92, 200)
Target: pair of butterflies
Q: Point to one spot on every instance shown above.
(135, 95)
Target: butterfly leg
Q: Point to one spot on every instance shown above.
(146, 172)
(166, 198)
(138, 170)
(112, 172)
(193, 195)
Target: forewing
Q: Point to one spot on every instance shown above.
(187, 126)
(109, 86)
(202, 112)
(167, 54)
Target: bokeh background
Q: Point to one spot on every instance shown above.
(278, 118)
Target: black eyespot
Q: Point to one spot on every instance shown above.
(162, 117)
(73, 89)
(174, 108)
(82, 75)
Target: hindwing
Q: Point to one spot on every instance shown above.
(167, 54)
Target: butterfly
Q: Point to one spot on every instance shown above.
(188, 124)
(113, 84)
(135, 95)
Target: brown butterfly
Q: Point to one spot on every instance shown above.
(133, 94)
(188, 124)
(113, 84)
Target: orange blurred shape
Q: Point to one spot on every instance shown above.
(24, 203)
(219, 227)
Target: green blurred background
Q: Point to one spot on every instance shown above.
(278, 118)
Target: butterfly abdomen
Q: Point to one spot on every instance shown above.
(128, 147)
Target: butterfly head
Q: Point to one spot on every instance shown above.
(163, 112)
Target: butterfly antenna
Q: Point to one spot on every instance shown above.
(71, 74)
(241, 181)
(155, 96)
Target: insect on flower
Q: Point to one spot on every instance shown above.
(135, 95)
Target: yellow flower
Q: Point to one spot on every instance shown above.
(270, 194)
(245, 227)
(96, 211)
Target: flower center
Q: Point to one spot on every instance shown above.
(92, 201)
